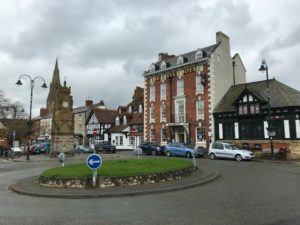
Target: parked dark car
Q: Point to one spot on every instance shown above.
(82, 149)
(151, 148)
(180, 149)
(106, 147)
(4, 151)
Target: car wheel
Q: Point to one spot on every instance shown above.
(238, 158)
(153, 152)
(188, 155)
(168, 153)
(212, 156)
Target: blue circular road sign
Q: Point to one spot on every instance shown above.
(94, 161)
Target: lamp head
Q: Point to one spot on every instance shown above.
(19, 82)
(44, 85)
(263, 66)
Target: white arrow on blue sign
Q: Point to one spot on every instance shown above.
(94, 161)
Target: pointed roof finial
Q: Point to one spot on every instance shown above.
(56, 78)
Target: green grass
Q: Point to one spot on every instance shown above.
(120, 168)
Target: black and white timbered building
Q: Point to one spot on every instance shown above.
(98, 122)
(241, 117)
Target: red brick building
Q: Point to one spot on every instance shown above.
(181, 92)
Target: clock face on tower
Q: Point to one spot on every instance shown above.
(65, 104)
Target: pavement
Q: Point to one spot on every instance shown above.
(30, 187)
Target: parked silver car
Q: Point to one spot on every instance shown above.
(225, 150)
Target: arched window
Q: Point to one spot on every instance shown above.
(199, 54)
(179, 60)
(124, 120)
(163, 65)
(140, 108)
(152, 67)
(117, 121)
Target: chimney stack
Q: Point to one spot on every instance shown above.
(89, 103)
(43, 112)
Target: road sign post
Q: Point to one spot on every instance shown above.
(94, 162)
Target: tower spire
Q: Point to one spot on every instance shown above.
(56, 78)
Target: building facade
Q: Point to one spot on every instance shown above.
(128, 130)
(98, 122)
(181, 92)
(241, 117)
(80, 117)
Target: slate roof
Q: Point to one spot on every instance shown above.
(281, 95)
(106, 116)
(81, 109)
(118, 128)
(189, 56)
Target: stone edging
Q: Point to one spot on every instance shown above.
(30, 188)
(104, 182)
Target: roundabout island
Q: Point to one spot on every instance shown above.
(119, 173)
(116, 178)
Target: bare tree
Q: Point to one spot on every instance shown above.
(10, 109)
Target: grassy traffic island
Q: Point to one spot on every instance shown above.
(114, 173)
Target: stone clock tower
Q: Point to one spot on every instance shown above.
(61, 106)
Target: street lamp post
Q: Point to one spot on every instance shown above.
(264, 68)
(29, 123)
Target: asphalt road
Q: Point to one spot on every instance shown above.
(246, 193)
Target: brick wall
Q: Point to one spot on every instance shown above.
(189, 77)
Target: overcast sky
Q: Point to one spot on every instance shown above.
(103, 47)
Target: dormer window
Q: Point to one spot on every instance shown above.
(117, 121)
(152, 67)
(163, 65)
(124, 120)
(179, 60)
(129, 109)
(199, 54)
(245, 98)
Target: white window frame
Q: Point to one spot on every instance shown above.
(200, 116)
(163, 141)
(180, 118)
(204, 140)
(117, 140)
(180, 88)
(163, 91)
(131, 140)
(152, 67)
(179, 60)
(163, 118)
(121, 140)
(152, 93)
(152, 112)
(199, 85)
(163, 65)
(199, 54)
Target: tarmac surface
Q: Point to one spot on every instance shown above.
(246, 193)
